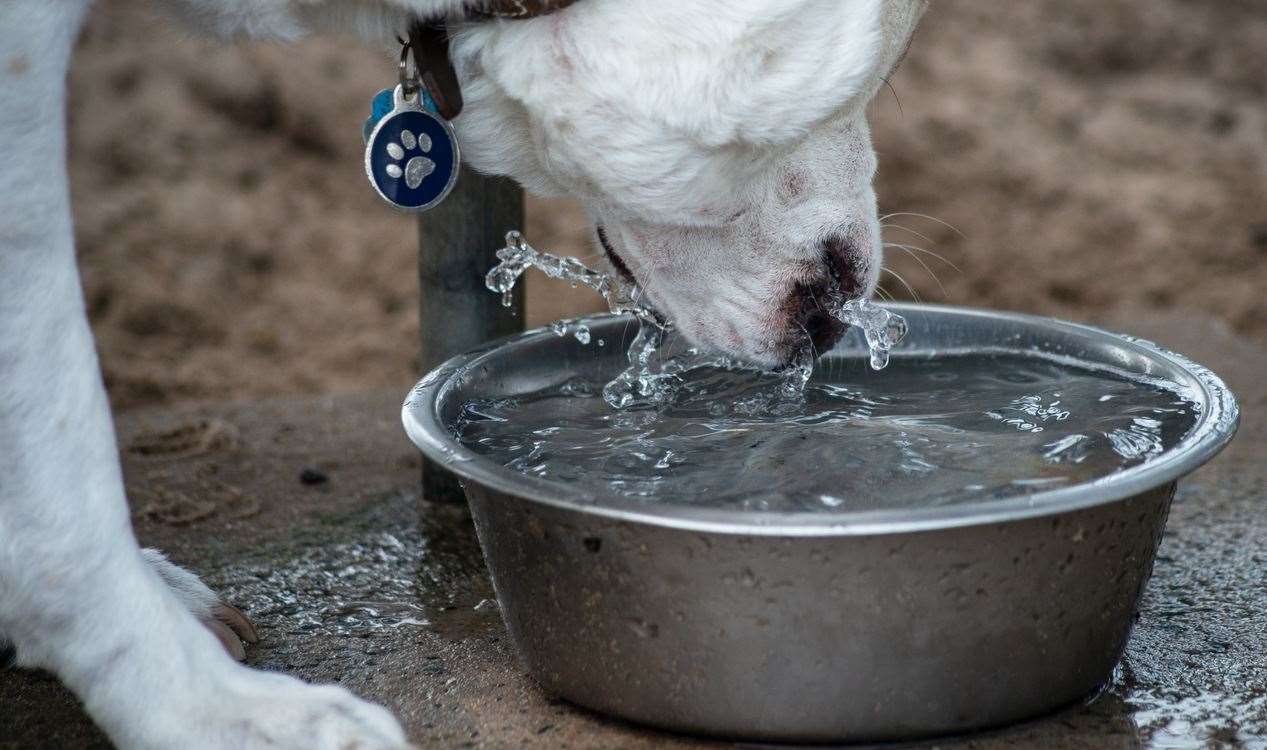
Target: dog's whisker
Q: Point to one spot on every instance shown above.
(908, 230)
(898, 276)
(924, 265)
(946, 224)
(900, 112)
(925, 251)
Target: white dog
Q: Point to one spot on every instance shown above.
(720, 146)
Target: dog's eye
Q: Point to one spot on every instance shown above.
(615, 260)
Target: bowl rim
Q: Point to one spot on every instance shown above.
(1215, 426)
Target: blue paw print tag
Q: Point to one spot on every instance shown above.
(411, 154)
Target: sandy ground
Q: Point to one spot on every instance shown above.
(1094, 155)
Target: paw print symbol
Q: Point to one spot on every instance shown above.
(418, 166)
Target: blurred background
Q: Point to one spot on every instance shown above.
(1093, 156)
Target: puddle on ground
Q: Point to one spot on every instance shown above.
(382, 571)
(1170, 720)
(1195, 674)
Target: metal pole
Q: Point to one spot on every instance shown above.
(456, 244)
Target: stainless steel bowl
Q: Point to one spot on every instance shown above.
(842, 626)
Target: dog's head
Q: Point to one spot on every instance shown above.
(721, 148)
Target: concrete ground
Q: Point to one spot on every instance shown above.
(306, 514)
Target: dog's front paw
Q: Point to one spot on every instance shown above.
(232, 707)
(275, 711)
(225, 621)
(175, 688)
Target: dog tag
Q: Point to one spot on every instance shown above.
(411, 154)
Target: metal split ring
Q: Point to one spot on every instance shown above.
(410, 81)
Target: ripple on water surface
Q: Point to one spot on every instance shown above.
(923, 432)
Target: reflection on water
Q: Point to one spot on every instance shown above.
(924, 432)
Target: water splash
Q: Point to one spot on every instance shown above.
(518, 256)
(652, 377)
(883, 329)
(580, 331)
(648, 379)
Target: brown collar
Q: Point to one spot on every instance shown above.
(429, 42)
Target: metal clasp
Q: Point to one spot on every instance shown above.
(410, 80)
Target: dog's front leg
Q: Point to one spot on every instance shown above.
(76, 595)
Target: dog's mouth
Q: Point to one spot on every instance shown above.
(803, 320)
(613, 257)
(811, 326)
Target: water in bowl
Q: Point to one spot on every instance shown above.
(925, 431)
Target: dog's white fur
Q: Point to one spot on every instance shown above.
(719, 142)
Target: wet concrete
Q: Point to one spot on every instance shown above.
(306, 514)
